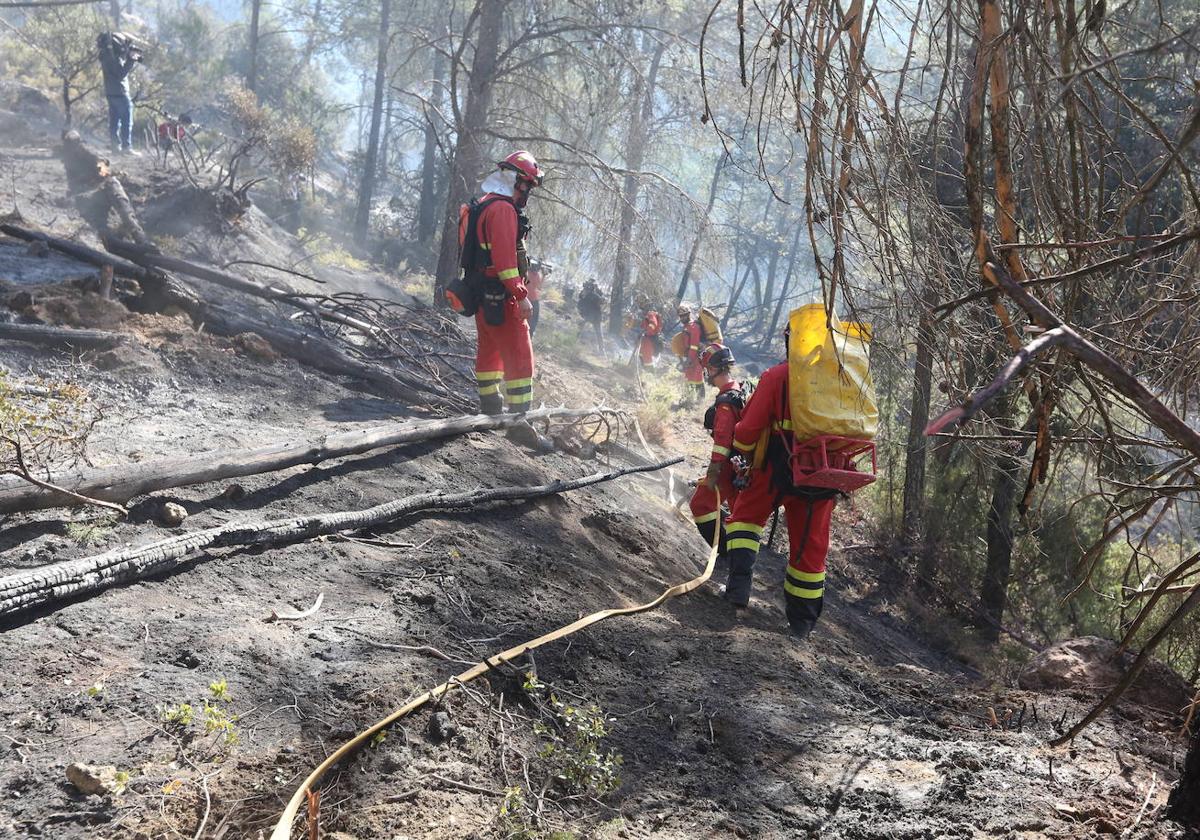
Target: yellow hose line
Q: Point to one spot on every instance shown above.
(283, 828)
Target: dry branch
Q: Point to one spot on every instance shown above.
(119, 484)
(73, 578)
(324, 355)
(61, 336)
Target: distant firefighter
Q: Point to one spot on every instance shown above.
(693, 371)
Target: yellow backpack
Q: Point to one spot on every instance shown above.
(710, 326)
(830, 390)
(679, 344)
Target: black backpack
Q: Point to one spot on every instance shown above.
(735, 397)
(472, 286)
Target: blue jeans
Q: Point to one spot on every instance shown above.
(120, 122)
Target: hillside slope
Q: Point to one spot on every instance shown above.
(723, 725)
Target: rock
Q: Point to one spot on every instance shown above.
(255, 346)
(441, 728)
(93, 778)
(234, 493)
(21, 302)
(1088, 663)
(172, 514)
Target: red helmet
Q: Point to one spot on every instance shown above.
(525, 165)
(717, 356)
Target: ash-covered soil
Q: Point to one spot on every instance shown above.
(211, 713)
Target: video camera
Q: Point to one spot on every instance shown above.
(124, 42)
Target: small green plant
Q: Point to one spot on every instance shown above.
(573, 748)
(179, 716)
(90, 532)
(95, 689)
(214, 717)
(217, 719)
(121, 781)
(378, 738)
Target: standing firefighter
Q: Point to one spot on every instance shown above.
(651, 336)
(693, 371)
(720, 420)
(804, 431)
(764, 434)
(492, 230)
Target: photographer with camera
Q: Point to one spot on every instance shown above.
(118, 56)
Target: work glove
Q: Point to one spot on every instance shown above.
(713, 475)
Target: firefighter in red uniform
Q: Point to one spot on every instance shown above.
(763, 436)
(720, 420)
(651, 330)
(493, 247)
(693, 371)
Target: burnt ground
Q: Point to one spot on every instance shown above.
(723, 726)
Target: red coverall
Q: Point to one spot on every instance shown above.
(807, 518)
(705, 511)
(504, 352)
(693, 372)
(651, 326)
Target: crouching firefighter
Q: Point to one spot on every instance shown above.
(720, 420)
(492, 231)
(763, 437)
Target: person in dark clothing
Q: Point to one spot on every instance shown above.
(591, 309)
(118, 56)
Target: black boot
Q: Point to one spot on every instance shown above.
(525, 435)
(741, 577)
(802, 629)
(802, 614)
(491, 404)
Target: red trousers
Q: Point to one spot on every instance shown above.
(808, 523)
(505, 353)
(646, 350)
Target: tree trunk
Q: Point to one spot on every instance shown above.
(384, 145)
(641, 112)
(324, 355)
(993, 593)
(734, 294)
(80, 252)
(427, 208)
(61, 336)
(120, 484)
(691, 261)
(769, 335)
(310, 40)
(366, 190)
(912, 516)
(776, 254)
(252, 72)
(468, 151)
(114, 9)
(55, 582)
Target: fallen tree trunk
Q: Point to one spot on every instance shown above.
(120, 484)
(122, 268)
(314, 351)
(151, 258)
(72, 578)
(325, 355)
(61, 336)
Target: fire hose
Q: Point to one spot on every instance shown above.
(283, 828)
